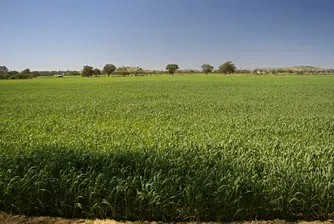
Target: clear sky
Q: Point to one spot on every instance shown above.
(68, 34)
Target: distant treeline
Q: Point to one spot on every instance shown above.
(27, 74)
(285, 71)
(111, 70)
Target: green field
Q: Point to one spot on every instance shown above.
(168, 148)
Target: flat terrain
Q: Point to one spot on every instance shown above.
(207, 148)
(19, 219)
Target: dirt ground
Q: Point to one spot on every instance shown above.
(20, 219)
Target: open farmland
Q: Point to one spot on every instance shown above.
(168, 148)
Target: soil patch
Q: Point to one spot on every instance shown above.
(22, 219)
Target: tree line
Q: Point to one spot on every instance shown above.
(110, 69)
(25, 74)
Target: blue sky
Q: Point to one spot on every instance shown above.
(68, 34)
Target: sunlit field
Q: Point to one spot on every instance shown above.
(207, 148)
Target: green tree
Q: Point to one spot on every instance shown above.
(123, 71)
(13, 73)
(3, 69)
(108, 69)
(26, 71)
(72, 73)
(96, 71)
(206, 68)
(172, 68)
(87, 71)
(138, 71)
(34, 74)
(227, 68)
(25, 74)
(9, 75)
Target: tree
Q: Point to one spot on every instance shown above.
(138, 71)
(172, 68)
(13, 73)
(227, 68)
(97, 72)
(207, 68)
(3, 69)
(108, 69)
(26, 71)
(25, 74)
(34, 74)
(123, 71)
(87, 71)
(72, 73)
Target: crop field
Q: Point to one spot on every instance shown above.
(201, 148)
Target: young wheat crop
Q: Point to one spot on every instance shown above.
(168, 148)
